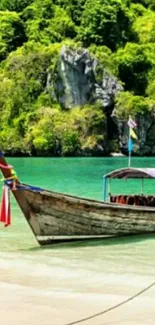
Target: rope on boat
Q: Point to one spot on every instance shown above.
(113, 307)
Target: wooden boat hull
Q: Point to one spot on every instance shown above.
(59, 217)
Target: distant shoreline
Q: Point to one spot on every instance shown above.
(110, 155)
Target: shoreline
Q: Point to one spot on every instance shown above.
(112, 154)
(27, 305)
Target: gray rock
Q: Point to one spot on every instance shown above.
(107, 90)
(75, 82)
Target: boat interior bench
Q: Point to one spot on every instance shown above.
(141, 200)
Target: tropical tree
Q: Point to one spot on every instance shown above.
(12, 33)
(105, 23)
(133, 67)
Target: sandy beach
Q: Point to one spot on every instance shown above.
(61, 284)
(60, 299)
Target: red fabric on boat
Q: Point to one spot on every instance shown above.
(5, 213)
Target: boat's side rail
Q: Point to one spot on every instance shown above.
(79, 200)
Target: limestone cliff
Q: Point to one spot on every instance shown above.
(77, 83)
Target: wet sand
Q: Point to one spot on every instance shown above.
(26, 304)
(62, 284)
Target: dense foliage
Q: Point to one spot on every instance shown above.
(119, 33)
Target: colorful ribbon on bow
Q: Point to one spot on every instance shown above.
(5, 212)
(6, 166)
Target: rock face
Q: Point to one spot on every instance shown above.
(106, 90)
(145, 130)
(75, 83)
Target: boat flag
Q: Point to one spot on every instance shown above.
(133, 134)
(131, 123)
(5, 212)
(130, 145)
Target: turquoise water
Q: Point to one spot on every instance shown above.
(79, 176)
(78, 278)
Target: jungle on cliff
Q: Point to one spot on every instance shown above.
(71, 74)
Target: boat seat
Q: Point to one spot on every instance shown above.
(137, 200)
(130, 200)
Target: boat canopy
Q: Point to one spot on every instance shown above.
(132, 173)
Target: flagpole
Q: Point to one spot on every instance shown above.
(129, 156)
(131, 124)
(130, 149)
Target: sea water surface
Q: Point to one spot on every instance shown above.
(61, 284)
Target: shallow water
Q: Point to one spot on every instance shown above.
(62, 283)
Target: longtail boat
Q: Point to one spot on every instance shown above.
(55, 217)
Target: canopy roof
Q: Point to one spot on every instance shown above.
(132, 173)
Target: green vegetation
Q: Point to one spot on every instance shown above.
(12, 32)
(119, 33)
